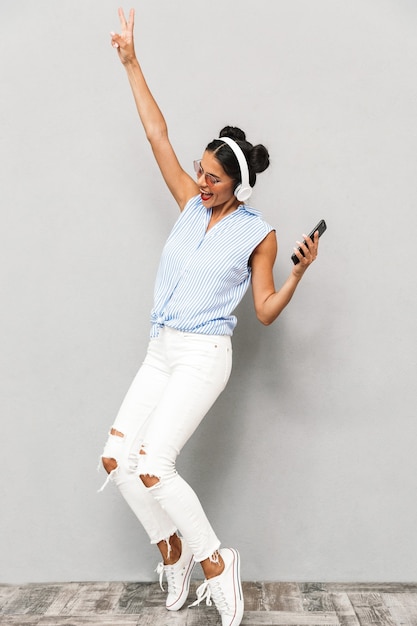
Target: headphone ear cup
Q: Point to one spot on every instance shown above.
(243, 193)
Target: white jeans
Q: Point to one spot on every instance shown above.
(180, 379)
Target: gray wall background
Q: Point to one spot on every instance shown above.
(307, 463)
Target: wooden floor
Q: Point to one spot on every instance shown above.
(140, 604)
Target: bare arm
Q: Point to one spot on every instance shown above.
(268, 302)
(180, 184)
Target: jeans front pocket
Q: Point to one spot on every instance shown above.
(210, 355)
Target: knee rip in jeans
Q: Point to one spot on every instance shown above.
(149, 480)
(111, 451)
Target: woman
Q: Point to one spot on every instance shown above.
(217, 246)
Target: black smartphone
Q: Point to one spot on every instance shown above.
(321, 227)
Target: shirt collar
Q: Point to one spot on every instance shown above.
(250, 209)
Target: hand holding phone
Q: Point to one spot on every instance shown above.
(321, 227)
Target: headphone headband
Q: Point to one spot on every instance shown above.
(243, 190)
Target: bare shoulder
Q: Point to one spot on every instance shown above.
(266, 251)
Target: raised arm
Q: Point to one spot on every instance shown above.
(180, 184)
(268, 302)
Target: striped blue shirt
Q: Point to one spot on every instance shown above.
(203, 275)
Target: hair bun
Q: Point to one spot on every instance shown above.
(259, 158)
(233, 132)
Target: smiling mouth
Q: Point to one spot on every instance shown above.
(205, 195)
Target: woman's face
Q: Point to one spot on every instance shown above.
(216, 187)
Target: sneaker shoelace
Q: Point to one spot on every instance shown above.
(212, 589)
(170, 575)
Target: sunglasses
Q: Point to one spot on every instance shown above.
(210, 179)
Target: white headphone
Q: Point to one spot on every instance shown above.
(243, 190)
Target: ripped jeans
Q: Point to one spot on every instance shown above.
(180, 379)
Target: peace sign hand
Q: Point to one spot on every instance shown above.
(124, 42)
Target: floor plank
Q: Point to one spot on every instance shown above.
(287, 618)
(282, 597)
(31, 599)
(134, 596)
(371, 610)
(19, 620)
(385, 587)
(344, 609)
(92, 598)
(403, 607)
(7, 595)
(316, 597)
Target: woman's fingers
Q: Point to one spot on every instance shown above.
(114, 40)
(122, 18)
(127, 26)
(131, 22)
(309, 249)
(124, 42)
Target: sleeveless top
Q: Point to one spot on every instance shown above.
(203, 275)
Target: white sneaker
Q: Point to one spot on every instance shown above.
(178, 578)
(225, 589)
